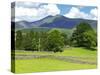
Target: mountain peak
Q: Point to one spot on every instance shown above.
(57, 21)
(61, 16)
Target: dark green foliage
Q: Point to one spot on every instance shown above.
(84, 36)
(31, 41)
(34, 41)
(27, 41)
(43, 41)
(83, 27)
(90, 39)
(66, 39)
(55, 41)
(19, 39)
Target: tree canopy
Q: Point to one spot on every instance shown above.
(84, 36)
(55, 41)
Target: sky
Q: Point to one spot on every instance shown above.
(30, 11)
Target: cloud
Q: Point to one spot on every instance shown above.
(73, 12)
(27, 14)
(76, 13)
(25, 11)
(27, 4)
(52, 9)
(94, 13)
(30, 11)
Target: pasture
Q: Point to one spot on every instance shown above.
(70, 59)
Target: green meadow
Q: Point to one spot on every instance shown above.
(70, 59)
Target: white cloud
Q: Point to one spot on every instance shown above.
(42, 11)
(52, 9)
(76, 13)
(27, 4)
(73, 12)
(30, 11)
(32, 14)
(20, 11)
(93, 12)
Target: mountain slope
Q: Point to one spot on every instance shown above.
(57, 21)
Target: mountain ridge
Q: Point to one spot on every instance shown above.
(57, 21)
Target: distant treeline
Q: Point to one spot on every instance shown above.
(54, 40)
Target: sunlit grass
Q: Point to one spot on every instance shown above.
(46, 64)
(50, 64)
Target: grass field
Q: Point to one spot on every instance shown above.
(70, 59)
(44, 64)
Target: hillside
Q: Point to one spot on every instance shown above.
(57, 21)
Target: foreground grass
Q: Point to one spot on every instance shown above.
(45, 64)
(48, 64)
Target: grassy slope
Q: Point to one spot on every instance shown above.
(47, 64)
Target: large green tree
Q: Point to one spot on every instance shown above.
(55, 41)
(83, 35)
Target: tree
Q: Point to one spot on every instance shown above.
(19, 39)
(34, 41)
(80, 34)
(90, 39)
(55, 41)
(43, 41)
(66, 40)
(29, 41)
(37, 41)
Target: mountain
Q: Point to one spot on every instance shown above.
(57, 21)
(21, 24)
(69, 23)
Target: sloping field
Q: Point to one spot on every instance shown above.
(70, 59)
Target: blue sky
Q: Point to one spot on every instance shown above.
(66, 8)
(30, 11)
